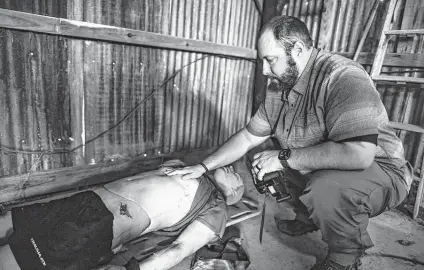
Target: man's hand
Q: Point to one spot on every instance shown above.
(188, 172)
(266, 162)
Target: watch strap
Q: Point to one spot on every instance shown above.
(284, 163)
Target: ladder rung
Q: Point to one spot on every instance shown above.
(407, 127)
(405, 32)
(398, 79)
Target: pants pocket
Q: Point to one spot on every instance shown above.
(379, 201)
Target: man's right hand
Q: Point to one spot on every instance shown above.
(188, 172)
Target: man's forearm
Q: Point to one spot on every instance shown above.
(233, 149)
(332, 155)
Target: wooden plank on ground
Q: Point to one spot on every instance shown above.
(57, 26)
(73, 178)
(23, 186)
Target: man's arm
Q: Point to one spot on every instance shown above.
(233, 149)
(333, 155)
(328, 155)
(195, 236)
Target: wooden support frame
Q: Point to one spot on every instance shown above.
(71, 28)
(383, 43)
(420, 189)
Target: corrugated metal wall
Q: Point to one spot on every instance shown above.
(58, 92)
(337, 25)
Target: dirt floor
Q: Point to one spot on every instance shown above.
(393, 233)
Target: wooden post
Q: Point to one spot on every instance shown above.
(269, 11)
(367, 29)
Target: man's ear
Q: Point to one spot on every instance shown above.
(298, 48)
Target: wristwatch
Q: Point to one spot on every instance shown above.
(283, 156)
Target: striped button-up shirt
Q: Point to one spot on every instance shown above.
(333, 100)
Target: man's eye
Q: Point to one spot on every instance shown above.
(271, 60)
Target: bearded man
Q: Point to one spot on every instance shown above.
(333, 131)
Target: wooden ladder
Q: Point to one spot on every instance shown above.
(378, 78)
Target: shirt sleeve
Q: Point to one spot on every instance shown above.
(215, 214)
(372, 138)
(259, 124)
(353, 107)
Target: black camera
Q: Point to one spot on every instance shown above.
(272, 183)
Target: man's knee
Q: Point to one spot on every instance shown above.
(326, 198)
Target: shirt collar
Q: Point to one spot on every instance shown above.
(303, 81)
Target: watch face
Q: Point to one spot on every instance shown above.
(284, 154)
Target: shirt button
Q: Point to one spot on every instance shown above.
(291, 105)
(287, 130)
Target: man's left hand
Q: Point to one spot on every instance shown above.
(266, 162)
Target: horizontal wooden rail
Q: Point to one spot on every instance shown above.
(405, 60)
(64, 27)
(405, 32)
(407, 127)
(399, 79)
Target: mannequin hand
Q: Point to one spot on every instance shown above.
(188, 172)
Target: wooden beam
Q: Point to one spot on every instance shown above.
(261, 82)
(71, 28)
(258, 6)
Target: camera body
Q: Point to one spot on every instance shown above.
(275, 184)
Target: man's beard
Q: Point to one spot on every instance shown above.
(287, 80)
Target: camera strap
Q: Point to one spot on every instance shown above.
(276, 123)
(261, 229)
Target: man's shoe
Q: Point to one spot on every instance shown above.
(328, 264)
(295, 227)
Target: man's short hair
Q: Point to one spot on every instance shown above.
(287, 30)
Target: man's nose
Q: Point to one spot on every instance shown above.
(265, 68)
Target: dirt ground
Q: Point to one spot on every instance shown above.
(393, 233)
